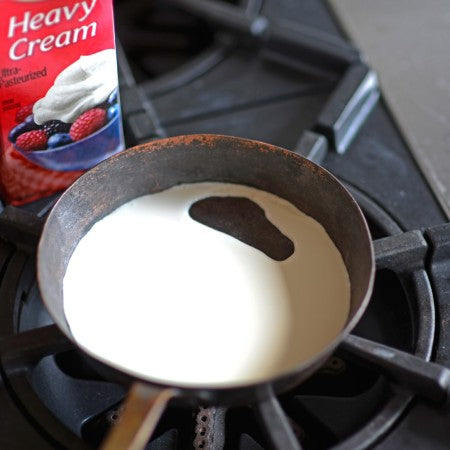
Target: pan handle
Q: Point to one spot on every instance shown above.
(143, 408)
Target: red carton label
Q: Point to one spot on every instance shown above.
(59, 110)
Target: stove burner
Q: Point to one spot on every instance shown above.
(210, 428)
(302, 50)
(159, 38)
(68, 403)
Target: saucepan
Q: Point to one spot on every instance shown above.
(159, 165)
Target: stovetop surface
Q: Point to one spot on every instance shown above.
(224, 84)
(244, 92)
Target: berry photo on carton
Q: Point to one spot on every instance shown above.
(89, 122)
(32, 140)
(81, 104)
(23, 113)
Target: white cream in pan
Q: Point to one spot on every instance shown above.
(152, 291)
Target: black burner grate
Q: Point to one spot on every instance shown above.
(332, 61)
(69, 404)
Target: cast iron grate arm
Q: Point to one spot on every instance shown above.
(402, 253)
(276, 424)
(29, 347)
(315, 46)
(21, 228)
(427, 379)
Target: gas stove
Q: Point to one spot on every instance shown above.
(281, 72)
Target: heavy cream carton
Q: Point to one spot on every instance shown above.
(59, 107)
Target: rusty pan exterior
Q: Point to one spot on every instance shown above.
(164, 163)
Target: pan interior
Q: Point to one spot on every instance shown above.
(182, 278)
(192, 159)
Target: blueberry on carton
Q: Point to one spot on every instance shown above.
(112, 99)
(58, 140)
(112, 112)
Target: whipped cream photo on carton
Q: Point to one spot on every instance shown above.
(59, 99)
